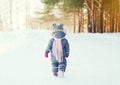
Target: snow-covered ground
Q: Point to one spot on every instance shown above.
(94, 59)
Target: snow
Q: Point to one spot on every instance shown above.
(94, 59)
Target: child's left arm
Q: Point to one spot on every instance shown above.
(67, 48)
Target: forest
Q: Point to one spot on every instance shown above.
(93, 16)
(91, 32)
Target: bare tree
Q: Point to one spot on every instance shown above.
(11, 13)
(94, 6)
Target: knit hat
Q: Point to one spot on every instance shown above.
(58, 27)
(55, 26)
(58, 31)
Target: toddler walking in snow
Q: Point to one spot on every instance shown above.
(58, 46)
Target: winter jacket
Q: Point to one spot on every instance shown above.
(65, 44)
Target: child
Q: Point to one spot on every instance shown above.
(59, 48)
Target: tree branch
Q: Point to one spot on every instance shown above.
(88, 6)
(99, 2)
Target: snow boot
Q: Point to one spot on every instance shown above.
(61, 73)
(55, 74)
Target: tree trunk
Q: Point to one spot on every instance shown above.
(74, 23)
(0, 14)
(92, 16)
(96, 20)
(112, 22)
(100, 17)
(89, 22)
(11, 13)
(119, 22)
(115, 27)
(79, 21)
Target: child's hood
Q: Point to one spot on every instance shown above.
(58, 31)
(59, 34)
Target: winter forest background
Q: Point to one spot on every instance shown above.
(93, 32)
(77, 15)
(18, 14)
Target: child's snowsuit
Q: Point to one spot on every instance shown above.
(61, 62)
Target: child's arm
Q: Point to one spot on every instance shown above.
(67, 48)
(49, 47)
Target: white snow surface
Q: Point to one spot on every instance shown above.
(94, 59)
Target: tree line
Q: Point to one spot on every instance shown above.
(100, 15)
(14, 14)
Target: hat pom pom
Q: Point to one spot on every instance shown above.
(60, 26)
(54, 26)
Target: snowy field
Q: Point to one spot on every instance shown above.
(94, 59)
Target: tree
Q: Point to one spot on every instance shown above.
(50, 2)
(111, 13)
(75, 6)
(68, 6)
(10, 13)
(95, 13)
(103, 15)
(0, 12)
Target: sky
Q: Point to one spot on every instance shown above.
(94, 59)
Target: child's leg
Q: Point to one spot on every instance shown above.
(55, 67)
(62, 66)
(54, 64)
